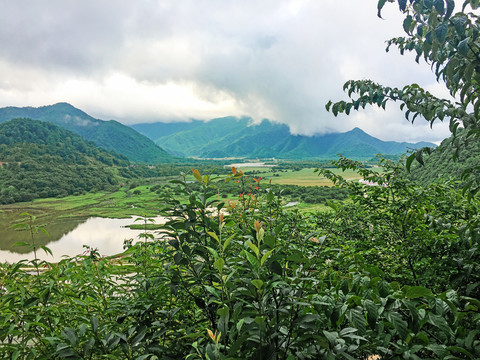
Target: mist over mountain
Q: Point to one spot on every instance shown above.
(234, 137)
(110, 135)
(217, 138)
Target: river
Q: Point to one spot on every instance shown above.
(67, 236)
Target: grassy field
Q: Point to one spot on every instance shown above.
(304, 177)
(124, 202)
(116, 205)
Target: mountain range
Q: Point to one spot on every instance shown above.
(110, 135)
(217, 138)
(239, 137)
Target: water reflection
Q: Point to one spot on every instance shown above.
(67, 237)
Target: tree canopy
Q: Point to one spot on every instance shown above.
(449, 42)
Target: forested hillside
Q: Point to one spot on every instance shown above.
(449, 161)
(40, 159)
(392, 273)
(229, 136)
(110, 135)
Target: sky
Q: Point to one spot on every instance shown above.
(175, 60)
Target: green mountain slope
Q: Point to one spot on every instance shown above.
(233, 137)
(441, 165)
(39, 159)
(110, 135)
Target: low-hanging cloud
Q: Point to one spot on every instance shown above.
(145, 61)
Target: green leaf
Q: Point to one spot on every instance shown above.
(177, 258)
(419, 156)
(259, 320)
(213, 235)
(331, 336)
(327, 105)
(94, 323)
(383, 288)
(463, 46)
(21, 243)
(357, 320)
(461, 350)
(439, 6)
(470, 338)
(409, 162)
(240, 324)
(251, 259)
(212, 251)
(225, 244)
(418, 291)
(224, 311)
(402, 4)
(275, 267)
(399, 324)
(450, 8)
(441, 32)
(270, 196)
(219, 264)
(46, 249)
(257, 283)
(143, 357)
(440, 322)
(269, 240)
(406, 24)
(253, 247)
(196, 175)
(212, 291)
(70, 334)
(372, 313)
(265, 256)
(380, 5)
(439, 350)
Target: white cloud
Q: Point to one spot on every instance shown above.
(169, 60)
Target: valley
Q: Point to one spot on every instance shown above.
(146, 197)
(238, 208)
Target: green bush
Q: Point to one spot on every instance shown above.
(255, 282)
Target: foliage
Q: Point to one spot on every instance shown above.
(440, 165)
(255, 282)
(392, 272)
(410, 231)
(446, 40)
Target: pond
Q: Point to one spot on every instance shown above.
(67, 236)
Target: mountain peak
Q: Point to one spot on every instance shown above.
(357, 130)
(229, 137)
(107, 134)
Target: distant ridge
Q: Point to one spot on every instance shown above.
(234, 137)
(110, 135)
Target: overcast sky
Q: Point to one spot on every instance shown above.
(141, 61)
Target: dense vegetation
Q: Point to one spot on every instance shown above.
(393, 272)
(43, 160)
(373, 276)
(227, 137)
(249, 185)
(110, 135)
(450, 161)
